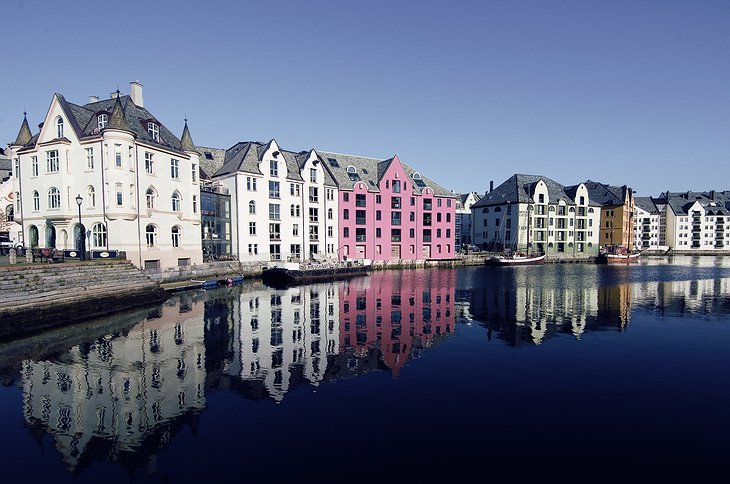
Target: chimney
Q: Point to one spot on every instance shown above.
(135, 92)
(491, 186)
(93, 99)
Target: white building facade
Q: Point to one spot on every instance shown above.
(138, 184)
(646, 224)
(463, 227)
(284, 203)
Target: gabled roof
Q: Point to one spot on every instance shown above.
(517, 189)
(646, 204)
(211, 159)
(718, 203)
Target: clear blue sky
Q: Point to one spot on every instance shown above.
(630, 92)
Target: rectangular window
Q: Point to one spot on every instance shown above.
(345, 197)
(149, 163)
(313, 232)
(252, 228)
(274, 211)
(273, 168)
(413, 201)
(89, 158)
(360, 217)
(330, 231)
(33, 166)
(295, 189)
(250, 184)
(395, 235)
(313, 194)
(438, 202)
(346, 232)
(275, 250)
(174, 169)
(274, 189)
(378, 215)
(427, 235)
(427, 204)
(274, 231)
(395, 218)
(346, 214)
(395, 202)
(118, 155)
(396, 186)
(194, 172)
(195, 204)
(360, 200)
(52, 164)
(359, 235)
(378, 199)
(313, 175)
(313, 215)
(120, 199)
(378, 233)
(295, 230)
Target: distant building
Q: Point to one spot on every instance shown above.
(10, 230)
(617, 213)
(138, 184)
(536, 213)
(646, 224)
(389, 211)
(463, 225)
(694, 220)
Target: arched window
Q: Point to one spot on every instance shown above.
(291, 210)
(36, 201)
(485, 210)
(151, 194)
(33, 236)
(98, 236)
(351, 169)
(10, 213)
(175, 202)
(151, 235)
(416, 176)
(252, 207)
(497, 209)
(590, 210)
(101, 121)
(59, 127)
(54, 198)
(176, 236)
(90, 197)
(329, 214)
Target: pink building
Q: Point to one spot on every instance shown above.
(389, 211)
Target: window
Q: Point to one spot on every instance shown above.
(194, 172)
(295, 230)
(411, 233)
(395, 202)
(438, 217)
(252, 208)
(36, 201)
(438, 202)
(396, 186)
(98, 235)
(176, 236)
(313, 215)
(252, 228)
(427, 235)
(395, 218)
(313, 175)
(345, 197)
(378, 199)
(448, 204)
(360, 235)
(54, 198)
(149, 163)
(151, 195)
(360, 200)
(346, 232)
(195, 204)
(59, 127)
(295, 210)
(151, 235)
(102, 120)
(10, 213)
(174, 169)
(313, 194)
(253, 249)
(89, 159)
(33, 166)
(378, 232)
(395, 235)
(330, 231)
(360, 217)
(329, 214)
(176, 202)
(90, 197)
(275, 231)
(120, 196)
(274, 189)
(295, 189)
(274, 211)
(346, 214)
(378, 215)
(154, 131)
(52, 163)
(413, 201)
(118, 155)
(275, 250)
(427, 203)
(273, 168)
(250, 184)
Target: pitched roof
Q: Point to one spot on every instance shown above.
(211, 159)
(117, 119)
(680, 202)
(24, 134)
(186, 141)
(606, 195)
(517, 189)
(646, 204)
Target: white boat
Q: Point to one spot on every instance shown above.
(515, 260)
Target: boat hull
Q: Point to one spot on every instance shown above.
(613, 259)
(515, 261)
(282, 277)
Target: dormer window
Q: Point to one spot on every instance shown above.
(59, 127)
(102, 120)
(351, 170)
(154, 130)
(416, 176)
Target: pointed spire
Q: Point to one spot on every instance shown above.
(24, 135)
(186, 140)
(117, 119)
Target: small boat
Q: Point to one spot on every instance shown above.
(515, 260)
(283, 275)
(617, 255)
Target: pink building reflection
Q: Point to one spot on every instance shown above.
(396, 314)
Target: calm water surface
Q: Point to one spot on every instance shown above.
(416, 375)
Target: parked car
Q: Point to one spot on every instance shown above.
(6, 244)
(471, 249)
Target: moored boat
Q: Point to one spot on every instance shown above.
(617, 255)
(515, 260)
(282, 275)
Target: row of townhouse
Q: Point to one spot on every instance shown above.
(683, 221)
(535, 213)
(109, 176)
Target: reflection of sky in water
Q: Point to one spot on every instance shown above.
(124, 389)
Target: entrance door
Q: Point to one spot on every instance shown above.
(395, 252)
(360, 251)
(427, 251)
(50, 237)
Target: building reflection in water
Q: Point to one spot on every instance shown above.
(122, 393)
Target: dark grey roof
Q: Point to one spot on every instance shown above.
(646, 204)
(715, 202)
(606, 195)
(517, 189)
(117, 120)
(243, 156)
(292, 165)
(211, 159)
(24, 134)
(186, 141)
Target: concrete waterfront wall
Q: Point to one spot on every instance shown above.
(207, 271)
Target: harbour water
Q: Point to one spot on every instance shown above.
(417, 375)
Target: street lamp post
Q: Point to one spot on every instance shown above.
(82, 231)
